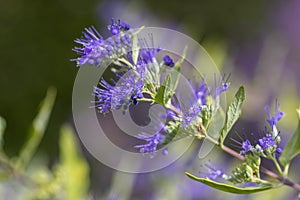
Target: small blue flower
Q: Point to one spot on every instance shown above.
(168, 61)
(117, 26)
(278, 150)
(223, 86)
(213, 173)
(245, 145)
(147, 55)
(272, 120)
(152, 142)
(266, 142)
(202, 92)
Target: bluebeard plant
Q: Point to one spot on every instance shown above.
(145, 73)
(138, 75)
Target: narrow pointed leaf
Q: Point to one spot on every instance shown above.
(135, 47)
(2, 129)
(74, 165)
(37, 129)
(233, 113)
(229, 188)
(292, 148)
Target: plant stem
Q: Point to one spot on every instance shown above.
(277, 165)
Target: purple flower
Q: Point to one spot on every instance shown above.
(189, 116)
(245, 145)
(278, 150)
(147, 56)
(117, 26)
(223, 86)
(95, 50)
(152, 142)
(91, 39)
(202, 92)
(168, 61)
(266, 142)
(214, 173)
(128, 89)
(272, 120)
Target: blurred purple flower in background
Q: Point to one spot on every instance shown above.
(152, 142)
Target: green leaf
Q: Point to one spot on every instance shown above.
(37, 129)
(229, 188)
(162, 96)
(2, 129)
(233, 113)
(292, 148)
(74, 166)
(135, 48)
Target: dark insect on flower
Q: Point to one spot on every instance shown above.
(126, 90)
(168, 61)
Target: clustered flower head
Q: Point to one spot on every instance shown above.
(267, 141)
(95, 50)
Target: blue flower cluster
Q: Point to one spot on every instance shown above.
(202, 92)
(137, 79)
(127, 90)
(95, 50)
(268, 141)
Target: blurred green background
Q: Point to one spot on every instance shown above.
(257, 41)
